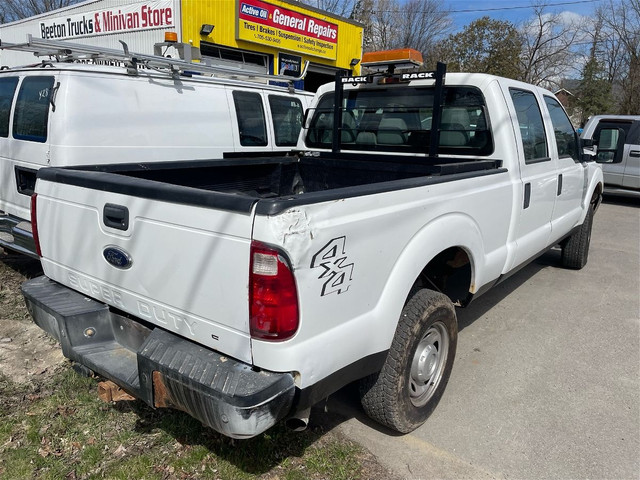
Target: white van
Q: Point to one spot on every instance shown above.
(62, 114)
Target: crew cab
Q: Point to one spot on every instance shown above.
(70, 110)
(245, 292)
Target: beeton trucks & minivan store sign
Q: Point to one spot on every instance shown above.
(126, 18)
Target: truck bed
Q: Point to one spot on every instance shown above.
(275, 183)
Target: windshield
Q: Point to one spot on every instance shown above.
(399, 120)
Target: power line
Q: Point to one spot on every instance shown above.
(475, 10)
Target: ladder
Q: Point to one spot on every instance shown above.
(75, 52)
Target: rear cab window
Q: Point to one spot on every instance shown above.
(399, 120)
(7, 92)
(532, 132)
(32, 109)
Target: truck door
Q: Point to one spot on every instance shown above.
(570, 171)
(610, 136)
(537, 175)
(631, 158)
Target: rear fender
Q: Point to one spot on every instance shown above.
(451, 230)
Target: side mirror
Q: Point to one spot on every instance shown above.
(587, 142)
(587, 147)
(610, 142)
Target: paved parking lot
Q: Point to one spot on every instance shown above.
(546, 382)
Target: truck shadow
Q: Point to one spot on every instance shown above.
(22, 264)
(623, 201)
(345, 404)
(256, 456)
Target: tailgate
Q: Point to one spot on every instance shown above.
(185, 269)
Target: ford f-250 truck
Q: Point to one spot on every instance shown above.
(245, 292)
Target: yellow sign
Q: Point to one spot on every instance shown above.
(285, 29)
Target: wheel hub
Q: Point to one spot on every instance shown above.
(428, 363)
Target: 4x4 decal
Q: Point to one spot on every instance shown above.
(336, 272)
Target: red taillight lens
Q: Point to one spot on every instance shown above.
(34, 224)
(273, 298)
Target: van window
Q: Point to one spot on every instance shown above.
(563, 130)
(399, 120)
(287, 114)
(32, 109)
(251, 121)
(534, 140)
(7, 89)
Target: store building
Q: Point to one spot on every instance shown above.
(274, 36)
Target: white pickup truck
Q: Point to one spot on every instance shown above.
(244, 292)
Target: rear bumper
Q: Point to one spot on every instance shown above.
(15, 234)
(160, 368)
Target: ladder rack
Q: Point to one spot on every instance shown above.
(75, 52)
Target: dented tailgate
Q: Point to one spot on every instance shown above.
(151, 264)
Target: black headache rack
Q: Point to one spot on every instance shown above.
(438, 75)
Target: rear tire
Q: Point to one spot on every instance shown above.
(409, 386)
(575, 250)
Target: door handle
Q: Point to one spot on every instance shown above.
(559, 184)
(115, 216)
(634, 153)
(527, 195)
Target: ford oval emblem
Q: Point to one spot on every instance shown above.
(117, 257)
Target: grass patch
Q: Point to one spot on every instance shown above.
(60, 429)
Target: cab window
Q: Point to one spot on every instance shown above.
(399, 120)
(32, 109)
(7, 90)
(563, 130)
(534, 139)
(251, 120)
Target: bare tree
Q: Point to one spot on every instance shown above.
(620, 47)
(344, 8)
(11, 10)
(421, 23)
(414, 24)
(549, 41)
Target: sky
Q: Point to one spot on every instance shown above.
(464, 11)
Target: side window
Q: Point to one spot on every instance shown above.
(7, 90)
(563, 130)
(287, 115)
(534, 141)
(32, 109)
(251, 121)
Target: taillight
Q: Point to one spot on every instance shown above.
(273, 298)
(34, 224)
